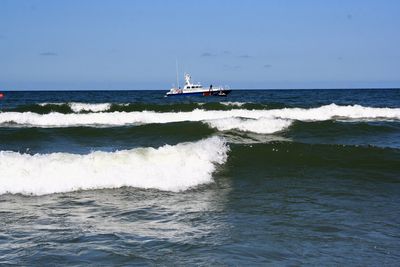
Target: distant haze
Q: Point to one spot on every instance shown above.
(126, 44)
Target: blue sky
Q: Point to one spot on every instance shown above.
(133, 44)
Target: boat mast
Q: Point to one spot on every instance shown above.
(177, 76)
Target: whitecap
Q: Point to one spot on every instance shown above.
(171, 168)
(247, 120)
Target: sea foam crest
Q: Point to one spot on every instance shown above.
(333, 111)
(79, 107)
(268, 119)
(261, 125)
(171, 168)
(229, 103)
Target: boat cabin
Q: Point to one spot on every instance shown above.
(189, 84)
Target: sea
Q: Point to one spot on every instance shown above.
(257, 178)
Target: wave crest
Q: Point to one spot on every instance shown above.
(170, 168)
(262, 121)
(79, 107)
(261, 125)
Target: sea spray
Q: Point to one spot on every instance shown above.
(171, 168)
(260, 126)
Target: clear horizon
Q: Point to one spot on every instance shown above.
(133, 45)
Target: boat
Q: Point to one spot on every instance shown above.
(196, 89)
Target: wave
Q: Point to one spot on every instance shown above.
(248, 105)
(79, 107)
(170, 168)
(83, 140)
(261, 125)
(339, 128)
(237, 104)
(334, 111)
(43, 108)
(242, 120)
(179, 107)
(261, 121)
(283, 159)
(65, 108)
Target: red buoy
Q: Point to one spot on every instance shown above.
(1, 95)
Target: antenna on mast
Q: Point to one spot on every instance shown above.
(177, 76)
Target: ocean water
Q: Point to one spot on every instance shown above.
(261, 177)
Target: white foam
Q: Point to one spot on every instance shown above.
(172, 168)
(50, 103)
(98, 107)
(334, 111)
(228, 103)
(261, 125)
(264, 117)
(79, 107)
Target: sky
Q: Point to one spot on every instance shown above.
(135, 44)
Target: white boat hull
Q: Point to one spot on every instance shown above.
(201, 92)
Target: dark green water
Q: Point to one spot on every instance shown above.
(268, 177)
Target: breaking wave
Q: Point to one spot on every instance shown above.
(260, 121)
(228, 103)
(170, 168)
(79, 107)
(261, 125)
